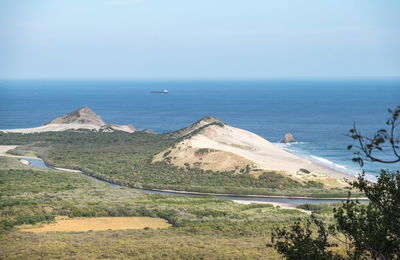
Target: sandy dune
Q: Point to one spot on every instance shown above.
(264, 154)
(255, 148)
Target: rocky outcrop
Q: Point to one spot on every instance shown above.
(83, 115)
(288, 138)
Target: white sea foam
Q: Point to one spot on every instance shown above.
(326, 162)
(281, 145)
(332, 164)
(286, 144)
(322, 160)
(340, 166)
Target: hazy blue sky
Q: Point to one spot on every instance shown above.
(199, 38)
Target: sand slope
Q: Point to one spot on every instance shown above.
(83, 115)
(252, 150)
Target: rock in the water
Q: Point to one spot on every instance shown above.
(288, 138)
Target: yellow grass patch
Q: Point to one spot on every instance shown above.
(65, 224)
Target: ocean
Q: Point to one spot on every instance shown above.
(318, 113)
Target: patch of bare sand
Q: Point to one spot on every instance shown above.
(65, 224)
(276, 204)
(25, 162)
(6, 148)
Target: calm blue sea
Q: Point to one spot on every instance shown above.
(317, 112)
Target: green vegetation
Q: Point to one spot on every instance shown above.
(198, 130)
(126, 159)
(325, 208)
(12, 163)
(202, 227)
(203, 151)
(299, 241)
(304, 170)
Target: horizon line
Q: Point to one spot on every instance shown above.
(207, 78)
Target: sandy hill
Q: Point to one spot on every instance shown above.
(211, 145)
(82, 118)
(82, 115)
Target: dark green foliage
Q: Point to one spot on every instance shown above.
(272, 179)
(9, 223)
(166, 153)
(203, 151)
(304, 170)
(300, 242)
(21, 178)
(168, 214)
(321, 208)
(314, 184)
(219, 123)
(198, 130)
(33, 219)
(374, 228)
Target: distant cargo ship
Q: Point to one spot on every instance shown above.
(165, 91)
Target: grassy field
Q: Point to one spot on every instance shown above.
(200, 227)
(133, 244)
(126, 159)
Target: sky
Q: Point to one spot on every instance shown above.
(162, 39)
